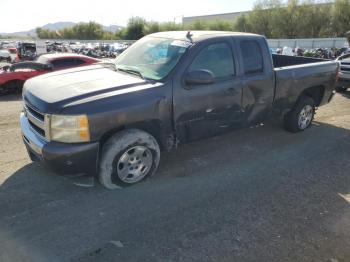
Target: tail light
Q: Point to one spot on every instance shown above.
(337, 75)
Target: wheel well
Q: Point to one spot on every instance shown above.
(316, 93)
(153, 127)
(18, 81)
(108, 134)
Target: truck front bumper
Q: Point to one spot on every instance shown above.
(62, 158)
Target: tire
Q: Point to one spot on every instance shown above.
(127, 158)
(341, 89)
(3, 90)
(301, 116)
(12, 87)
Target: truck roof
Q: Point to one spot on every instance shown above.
(199, 35)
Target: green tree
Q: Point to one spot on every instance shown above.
(220, 25)
(261, 18)
(285, 20)
(198, 25)
(170, 26)
(314, 20)
(152, 27)
(86, 31)
(242, 24)
(341, 17)
(136, 28)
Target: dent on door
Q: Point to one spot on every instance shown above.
(208, 109)
(257, 99)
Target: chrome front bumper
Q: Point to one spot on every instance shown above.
(33, 141)
(66, 159)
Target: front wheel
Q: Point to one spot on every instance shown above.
(127, 158)
(301, 116)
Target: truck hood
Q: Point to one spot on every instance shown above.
(66, 87)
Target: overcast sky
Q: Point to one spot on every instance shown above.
(22, 15)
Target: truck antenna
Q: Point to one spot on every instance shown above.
(189, 36)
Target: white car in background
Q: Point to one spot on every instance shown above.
(5, 55)
(344, 73)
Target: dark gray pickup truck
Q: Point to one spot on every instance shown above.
(168, 88)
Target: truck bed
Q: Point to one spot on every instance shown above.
(285, 60)
(293, 75)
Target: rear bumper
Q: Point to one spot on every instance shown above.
(62, 158)
(343, 82)
(344, 79)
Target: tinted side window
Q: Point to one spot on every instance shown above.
(252, 57)
(79, 62)
(68, 62)
(217, 58)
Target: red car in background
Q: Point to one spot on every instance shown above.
(12, 77)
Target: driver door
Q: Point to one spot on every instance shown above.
(203, 110)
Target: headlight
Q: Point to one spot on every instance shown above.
(69, 129)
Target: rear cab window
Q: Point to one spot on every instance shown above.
(253, 62)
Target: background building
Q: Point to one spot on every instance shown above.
(207, 18)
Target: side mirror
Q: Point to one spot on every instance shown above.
(199, 77)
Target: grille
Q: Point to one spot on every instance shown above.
(38, 115)
(36, 120)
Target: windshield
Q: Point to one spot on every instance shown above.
(152, 57)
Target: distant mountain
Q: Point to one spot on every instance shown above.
(58, 26)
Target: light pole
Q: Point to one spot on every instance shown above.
(110, 29)
(175, 17)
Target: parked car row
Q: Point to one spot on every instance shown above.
(324, 53)
(12, 77)
(27, 50)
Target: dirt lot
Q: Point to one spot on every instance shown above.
(259, 194)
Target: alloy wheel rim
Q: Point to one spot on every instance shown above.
(305, 117)
(134, 164)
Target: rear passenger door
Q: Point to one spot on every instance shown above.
(203, 110)
(258, 79)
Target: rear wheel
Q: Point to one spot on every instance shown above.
(127, 158)
(301, 116)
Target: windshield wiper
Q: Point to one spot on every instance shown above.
(131, 71)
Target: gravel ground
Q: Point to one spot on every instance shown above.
(259, 194)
